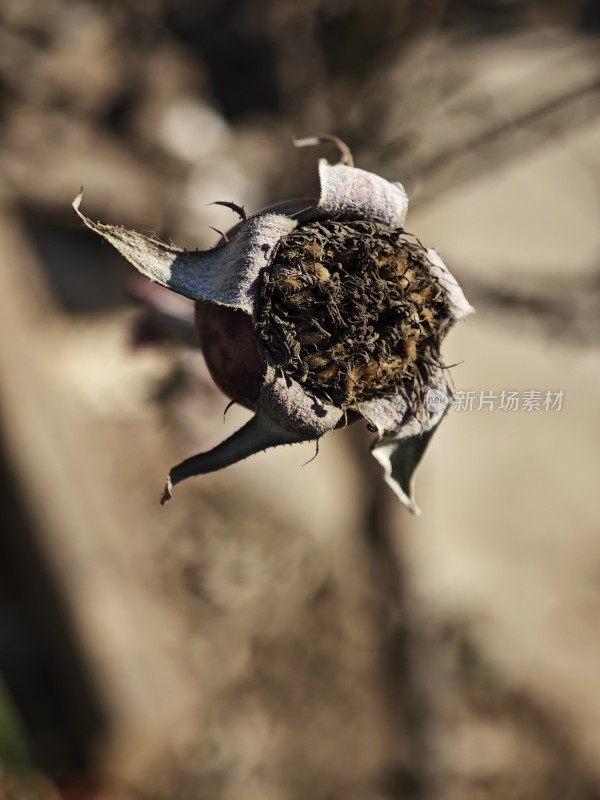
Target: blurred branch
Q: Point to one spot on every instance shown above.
(570, 311)
(543, 123)
(492, 122)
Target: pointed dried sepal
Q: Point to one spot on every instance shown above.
(460, 305)
(226, 275)
(384, 414)
(286, 414)
(353, 193)
(400, 451)
(259, 433)
(298, 411)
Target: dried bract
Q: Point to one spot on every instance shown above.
(314, 312)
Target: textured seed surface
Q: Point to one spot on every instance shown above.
(352, 312)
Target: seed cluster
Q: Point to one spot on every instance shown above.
(352, 311)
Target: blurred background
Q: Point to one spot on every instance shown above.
(282, 631)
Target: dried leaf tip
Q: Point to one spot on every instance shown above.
(345, 154)
(77, 202)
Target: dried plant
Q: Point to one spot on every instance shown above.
(315, 313)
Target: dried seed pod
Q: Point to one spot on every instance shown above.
(313, 312)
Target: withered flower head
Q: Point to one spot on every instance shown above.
(315, 312)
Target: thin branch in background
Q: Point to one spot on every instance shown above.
(570, 313)
(496, 143)
(541, 118)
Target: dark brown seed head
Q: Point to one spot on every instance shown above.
(352, 311)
